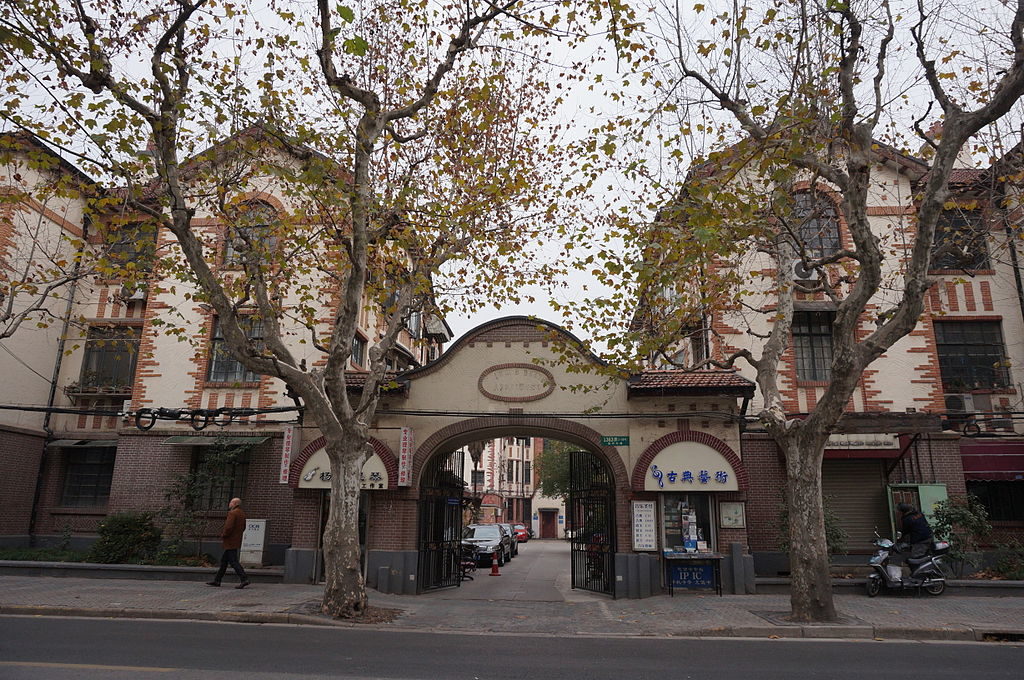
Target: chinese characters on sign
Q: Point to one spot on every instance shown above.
(644, 526)
(287, 449)
(405, 458)
(698, 576)
(687, 477)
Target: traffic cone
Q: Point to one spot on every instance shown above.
(494, 564)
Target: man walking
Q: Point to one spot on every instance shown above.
(231, 541)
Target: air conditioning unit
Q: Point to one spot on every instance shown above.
(133, 293)
(803, 273)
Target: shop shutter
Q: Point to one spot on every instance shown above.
(857, 491)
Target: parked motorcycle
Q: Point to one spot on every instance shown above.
(924, 573)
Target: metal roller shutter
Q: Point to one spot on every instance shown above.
(857, 490)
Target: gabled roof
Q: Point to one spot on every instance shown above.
(23, 142)
(690, 383)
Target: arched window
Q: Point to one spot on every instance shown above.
(816, 224)
(251, 231)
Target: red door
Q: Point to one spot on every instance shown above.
(549, 524)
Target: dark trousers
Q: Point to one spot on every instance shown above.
(230, 556)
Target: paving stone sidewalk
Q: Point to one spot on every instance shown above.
(511, 610)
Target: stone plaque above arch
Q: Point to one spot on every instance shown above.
(516, 383)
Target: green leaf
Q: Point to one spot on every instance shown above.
(356, 46)
(346, 13)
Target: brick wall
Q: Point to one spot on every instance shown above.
(764, 497)
(20, 455)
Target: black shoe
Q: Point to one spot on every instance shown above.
(215, 584)
(241, 585)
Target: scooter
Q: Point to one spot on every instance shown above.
(924, 573)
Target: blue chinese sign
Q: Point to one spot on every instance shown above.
(695, 576)
(688, 476)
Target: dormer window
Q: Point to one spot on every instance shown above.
(816, 225)
(251, 232)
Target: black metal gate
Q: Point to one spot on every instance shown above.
(592, 519)
(441, 522)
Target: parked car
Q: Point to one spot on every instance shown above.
(488, 539)
(513, 537)
(522, 532)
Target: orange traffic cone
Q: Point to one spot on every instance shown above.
(494, 564)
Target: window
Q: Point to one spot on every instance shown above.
(224, 367)
(816, 224)
(133, 243)
(1004, 500)
(251, 233)
(87, 475)
(812, 344)
(220, 475)
(478, 479)
(527, 476)
(511, 471)
(523, 441)
(358, 351)
(109, 359)
(960, 241)
(971, 355)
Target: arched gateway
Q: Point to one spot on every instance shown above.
(659, 448)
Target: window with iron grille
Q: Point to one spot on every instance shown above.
(87, 476)
(971, 355)
(478, 479)
(109, 357)
(812, 344)
(224, 367)
(817, 224)
(960, 241)
(220, 476)
(1004, 500)
(527, 473)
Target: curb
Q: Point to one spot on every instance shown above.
(816, 632)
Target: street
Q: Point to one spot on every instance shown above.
(59, 648)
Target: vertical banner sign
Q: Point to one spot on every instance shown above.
(645, 536)
(405, 458)
(287, 452)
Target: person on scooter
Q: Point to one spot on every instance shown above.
(915, 529)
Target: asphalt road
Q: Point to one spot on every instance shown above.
(59, 648)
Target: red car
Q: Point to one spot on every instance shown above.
(522, 533)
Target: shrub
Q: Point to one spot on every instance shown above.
(963, 521)
(125, 538)
(1010, 563)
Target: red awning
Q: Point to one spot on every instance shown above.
(991, 462)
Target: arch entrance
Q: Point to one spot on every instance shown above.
(520, 377)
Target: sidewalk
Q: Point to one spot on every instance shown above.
(513, 605)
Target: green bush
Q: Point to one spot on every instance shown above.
(42, 555)
(963, 521)
(1010, 563)
(127, 537)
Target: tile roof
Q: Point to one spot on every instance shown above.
(692, 382)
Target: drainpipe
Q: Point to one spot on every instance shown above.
(1016, 265)
(58, 362)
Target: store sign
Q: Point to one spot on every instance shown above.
(291, 440)
(614, 441)
(316, 474)
(645, 528)
(690, 466)
(863, 441)
(405, 452)
(696, 576)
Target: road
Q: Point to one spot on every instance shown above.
(90, 649)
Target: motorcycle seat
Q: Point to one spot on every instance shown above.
(918, 560)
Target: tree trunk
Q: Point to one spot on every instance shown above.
(345, 590)
(811, 580)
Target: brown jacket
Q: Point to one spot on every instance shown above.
(234, 527)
